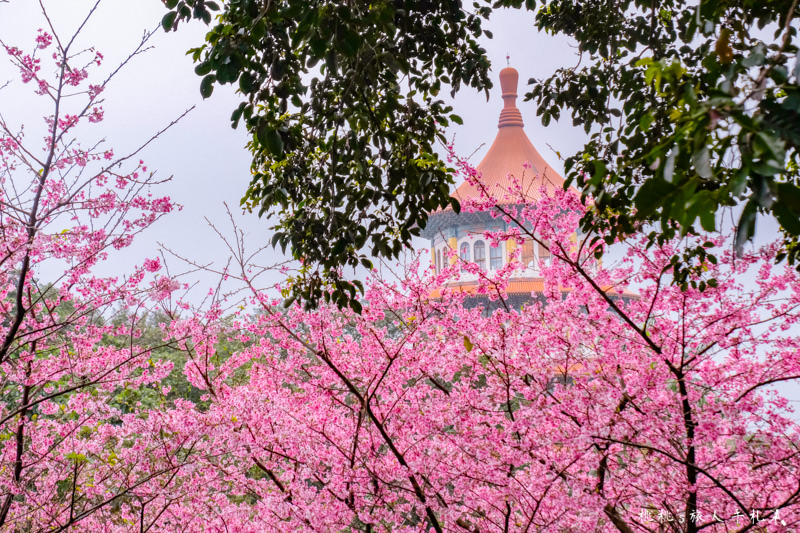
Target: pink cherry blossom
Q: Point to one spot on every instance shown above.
(611, 401)
(152, 265)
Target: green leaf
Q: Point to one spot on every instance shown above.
(203, 68)
(270, 139)
(247, 83)
(788, 219)
(350, 43)
(168, 20)
(77, 457)
(708, 217)
(701, 160)
(789, 195)
(651, 195)
(773, 144)
(237, 114)
(755, 58)
(339, 246)
(207, 85)
(468, 344)
(746, 227)
(646, 121)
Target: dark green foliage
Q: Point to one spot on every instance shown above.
(341, 101)
(691, 109)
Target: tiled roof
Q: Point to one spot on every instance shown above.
(522, 286)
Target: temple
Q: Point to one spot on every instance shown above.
(512, 171)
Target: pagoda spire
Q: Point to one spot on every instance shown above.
(510, 115)
(512, 161)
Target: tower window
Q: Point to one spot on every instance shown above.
(479, 249)
(464, 253)
(495, 257)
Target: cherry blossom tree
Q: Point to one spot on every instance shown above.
(618, 402)
(615, 402)
(71, 453)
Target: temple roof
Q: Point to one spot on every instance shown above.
(510, 152)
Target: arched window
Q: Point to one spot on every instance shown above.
(464, 253)
(527, 253)
(438, 261)
(495, 257)
(479, 250)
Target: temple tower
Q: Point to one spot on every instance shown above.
(512, 159)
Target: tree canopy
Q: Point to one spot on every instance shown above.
(341, 101)
(691, 109)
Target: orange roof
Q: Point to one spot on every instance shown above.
(508, 155)
(526, 286)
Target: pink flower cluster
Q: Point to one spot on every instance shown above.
(43, 40)
(152, 265)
